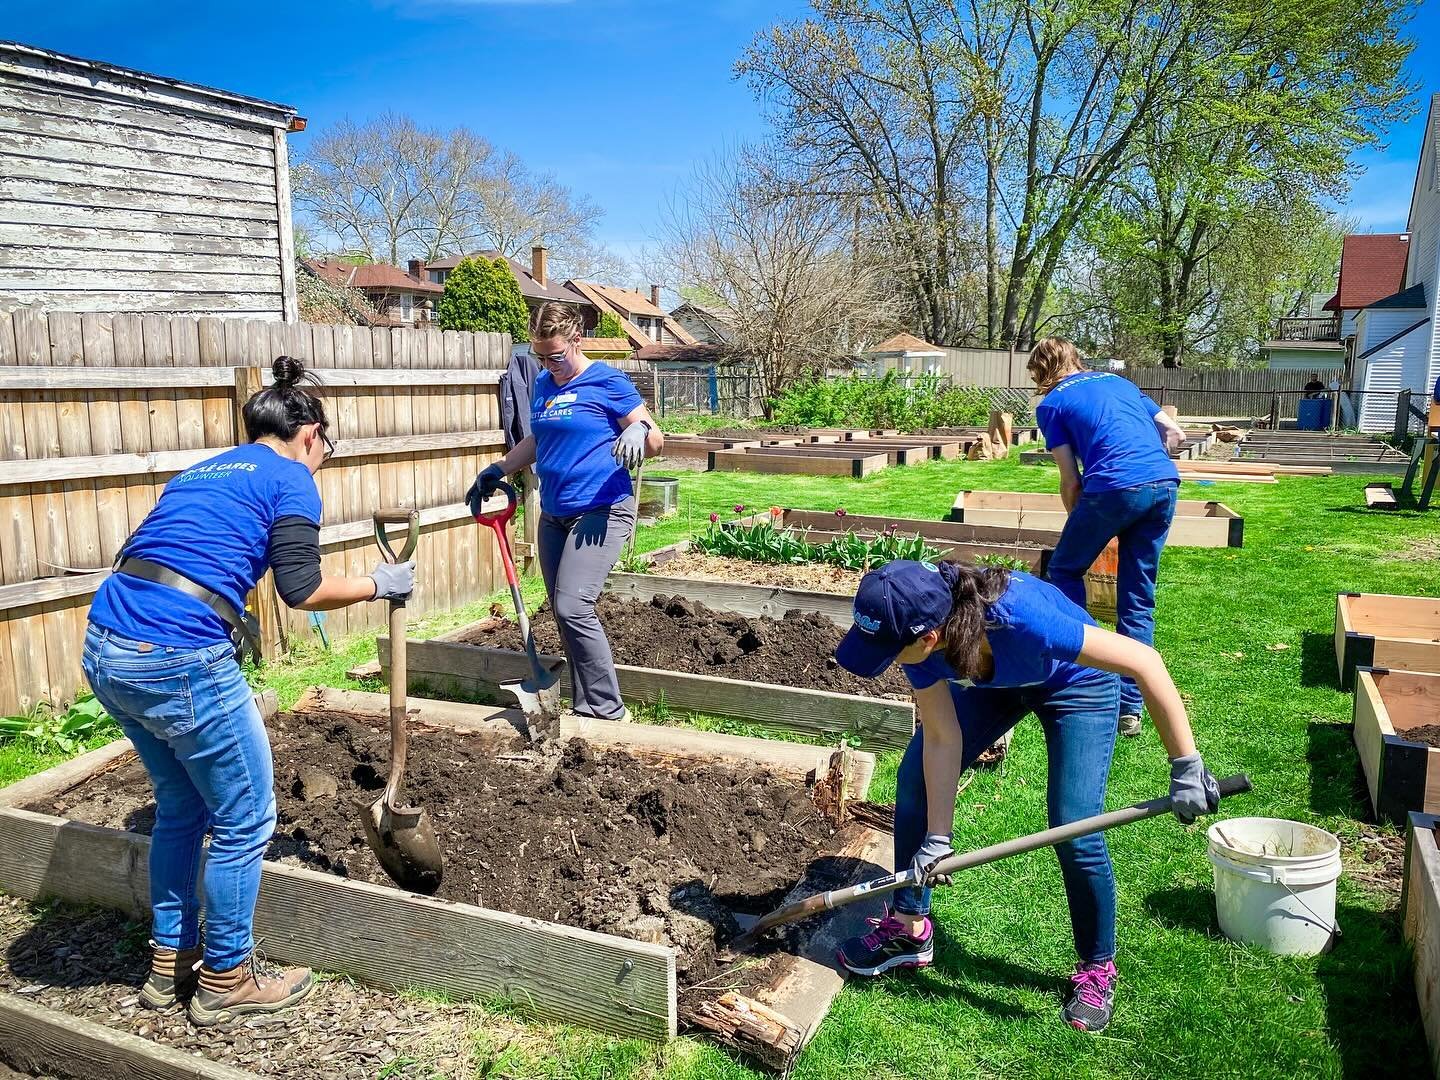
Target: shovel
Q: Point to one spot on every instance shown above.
(402, 837)
(827, 901)
(539, 695)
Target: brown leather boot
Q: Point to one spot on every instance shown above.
(223, 996)
(173, 975)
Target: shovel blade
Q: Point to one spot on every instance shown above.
(403, 839)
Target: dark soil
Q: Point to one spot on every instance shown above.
(676, 634)
(752, 432)
(603, 841)
(1429, 734)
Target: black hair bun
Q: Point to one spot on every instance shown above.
(288, 371)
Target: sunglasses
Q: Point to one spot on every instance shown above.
(549, 358)
(329, 447)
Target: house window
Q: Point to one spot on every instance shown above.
(407, 307)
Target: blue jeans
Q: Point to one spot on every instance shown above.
(1140, 517)
(1079, 725)
(195, 727)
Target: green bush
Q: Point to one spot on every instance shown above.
(891, 401)
(609, 326)
(484, 296)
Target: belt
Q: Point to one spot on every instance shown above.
(244, 628)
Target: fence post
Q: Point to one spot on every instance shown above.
(1402, 415)
(1334, 410)
(1274, 410)
(532, 519)
(264, 601)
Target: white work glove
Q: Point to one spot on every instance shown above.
(936, 847)
(630, 446)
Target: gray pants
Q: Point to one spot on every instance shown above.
(576, 554)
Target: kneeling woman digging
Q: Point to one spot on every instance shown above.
(983, 648)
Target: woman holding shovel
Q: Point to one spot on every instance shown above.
(1112, 445)
(588, 428)
(983, 647)
(161, 654)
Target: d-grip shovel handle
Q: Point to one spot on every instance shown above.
(397, 515)
(497, 520)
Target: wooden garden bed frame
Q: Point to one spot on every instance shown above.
(1420, 919)
(448, 667)
(1400, 775)
(801, 462)
(1197, 523)
(907, 454)
(404, 942)
(1379, 630)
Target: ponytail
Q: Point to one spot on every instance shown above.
(972, 590)
(284, 408)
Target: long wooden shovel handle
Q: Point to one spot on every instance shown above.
(1230, 785)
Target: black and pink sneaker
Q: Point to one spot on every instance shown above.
(1092, 998)
(889, 945)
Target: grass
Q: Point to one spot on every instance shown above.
(1190, 1003)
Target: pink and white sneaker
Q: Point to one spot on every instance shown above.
(889, 945)
(1092, 997)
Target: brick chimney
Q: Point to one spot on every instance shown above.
(537, 264)
(655, 295)
(416, 268)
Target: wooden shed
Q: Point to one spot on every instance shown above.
(122, 191)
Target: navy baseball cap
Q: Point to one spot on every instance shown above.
(894, 607)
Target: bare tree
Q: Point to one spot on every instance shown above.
(779, 260)
(390, 188)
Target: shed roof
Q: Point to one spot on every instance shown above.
(1413, 297)
(96, 77)
(908, 344)
(696, 353)
(529, 287)
(1372, 266)
(604, 344)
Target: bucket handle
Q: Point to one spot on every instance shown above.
(1279, 879)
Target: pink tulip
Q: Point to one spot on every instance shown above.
(839, 511)
(714, 518)
(740, 508)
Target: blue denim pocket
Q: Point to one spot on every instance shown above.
(159, 701)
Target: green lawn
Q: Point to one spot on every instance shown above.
(1190, 1003)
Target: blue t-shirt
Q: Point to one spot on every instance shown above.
(575, 428)
(1110, 425)
(212, 524)
(1035, 634)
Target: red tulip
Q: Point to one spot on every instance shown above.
(839, 511)
(740, 508)
(714, 518)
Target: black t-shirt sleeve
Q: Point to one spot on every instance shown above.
(295, 558)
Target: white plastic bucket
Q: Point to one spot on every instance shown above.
(1275, 883)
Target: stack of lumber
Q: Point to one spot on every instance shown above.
(1244, 472)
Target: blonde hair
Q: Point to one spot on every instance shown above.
(1051, 360)
(556, 320)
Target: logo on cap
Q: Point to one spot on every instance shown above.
(866, 623)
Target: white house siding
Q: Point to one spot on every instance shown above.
(1384, 374)
(1347, 323)
(1423, 266)
(1283, 359)
(126, 192)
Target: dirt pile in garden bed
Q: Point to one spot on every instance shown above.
(675, 634)
(805, 577)
(772, 430)
(600, 840)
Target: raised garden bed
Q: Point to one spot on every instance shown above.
(580, 834)
(803, 461)
(1383, 631)
(1197, 523)
(1420, 920)
(1397, 732)
(775, 672)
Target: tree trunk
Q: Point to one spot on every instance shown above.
(992, 242)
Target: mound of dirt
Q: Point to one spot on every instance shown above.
(600, 840)
(676, 634)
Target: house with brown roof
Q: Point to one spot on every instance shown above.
(905, 353)
(706, 325)
(642, 319)
(401, 299)
(536, 285)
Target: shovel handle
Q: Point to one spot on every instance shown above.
(497, 520)
(397, 515)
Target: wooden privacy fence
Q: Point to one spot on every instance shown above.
(98, 412)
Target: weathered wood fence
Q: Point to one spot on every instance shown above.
(98, 412)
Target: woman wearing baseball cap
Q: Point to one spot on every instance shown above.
(982, 648)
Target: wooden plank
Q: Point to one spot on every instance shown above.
(742, 461)
(1198, 523)
(60, 213)
(956, 532)
(290, 307)
(189, 403)
(164, 404)
(867, 721)
(753, 600)
(33, 116)
(1344, 660)
(40, 1040)
(94, 161)
(56, 181)
(1369, 726)
(1421, 924)
(393, 939)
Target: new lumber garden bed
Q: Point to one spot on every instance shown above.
(1197, 523)
(1420, 918)
(1378, 630)
(654, 833)
(1397, 732)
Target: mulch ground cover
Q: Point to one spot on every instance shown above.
(599, 840)
(676, 634)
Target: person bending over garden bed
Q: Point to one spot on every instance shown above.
(588, 427)
(983, 648)
(1102, 424)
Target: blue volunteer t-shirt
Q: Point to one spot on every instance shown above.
(1110, 425)
(575, 428)
(212, 524)
(1035, 634)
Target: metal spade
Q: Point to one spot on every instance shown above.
(402, 837)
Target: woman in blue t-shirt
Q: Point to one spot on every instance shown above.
(160, 658)
(1117, 479)
(982, 648)
(588, 427)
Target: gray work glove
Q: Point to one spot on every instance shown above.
(630, 446)
(1193, 790)
(394, 581)
(486, 484)
(936, 847)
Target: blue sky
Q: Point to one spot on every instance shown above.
(617, 97)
